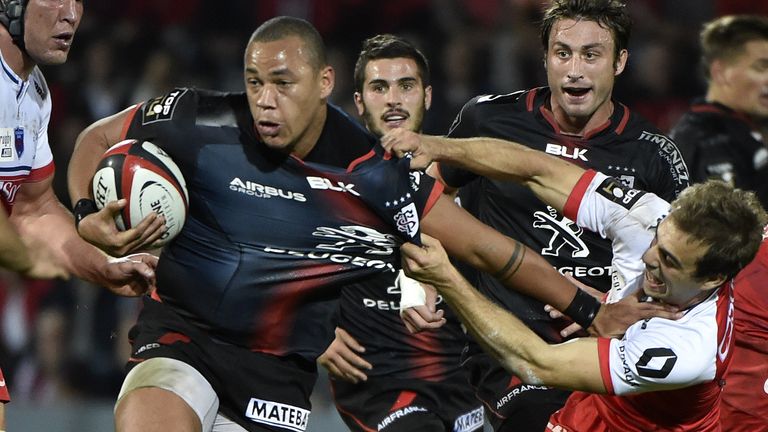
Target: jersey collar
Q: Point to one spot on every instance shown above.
(537, 101)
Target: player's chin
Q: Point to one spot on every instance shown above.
(276, 142)
(53, 58)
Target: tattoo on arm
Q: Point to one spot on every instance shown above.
(513, 265)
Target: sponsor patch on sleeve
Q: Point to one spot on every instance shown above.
(614, 190)
(161, 108)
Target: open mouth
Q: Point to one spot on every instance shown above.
(576, 91)
(654, 285)
(267, 128)
(64, 39)
(395, 118)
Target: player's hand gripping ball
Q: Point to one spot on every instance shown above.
(149, 179)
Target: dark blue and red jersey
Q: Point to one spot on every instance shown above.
(370, 312)
(626, 147)
(270, 240)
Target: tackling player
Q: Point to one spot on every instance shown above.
(710, 233)
(721, 137)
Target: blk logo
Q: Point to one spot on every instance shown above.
(563, 151)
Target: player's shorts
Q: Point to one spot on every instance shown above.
(396, 405)
(5, 397)
(510, 404)
(258, 391)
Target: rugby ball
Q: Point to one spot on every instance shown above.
(149, 179)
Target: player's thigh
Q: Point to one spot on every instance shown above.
(152, 409)
(163, 392)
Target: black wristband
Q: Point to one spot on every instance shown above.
(583, 309)
(83, 208)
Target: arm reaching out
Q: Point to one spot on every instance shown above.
(501, 333)
(550, 178)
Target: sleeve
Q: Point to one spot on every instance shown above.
(669, 174)
(464, 126)
(659, 355)
(42, 165)
(627, 216)
(398, 195)
(152, 120)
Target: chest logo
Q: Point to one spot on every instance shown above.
(564, 232)
(356, 237)
(565, 152)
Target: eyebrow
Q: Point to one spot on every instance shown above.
(670, 256)
(583, 47)
(399, 80)
(282, 71)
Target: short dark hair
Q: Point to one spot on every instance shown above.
(285, 26)
(387, 46)
(609, 14)
(730, 221)
(725, 37)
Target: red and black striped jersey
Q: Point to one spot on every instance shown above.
(270, 240)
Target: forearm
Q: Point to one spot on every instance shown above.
(550, 178)
(573, 365)
(500, 333)
(48, 224)
(484, 248)
(13, 253)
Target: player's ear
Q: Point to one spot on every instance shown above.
(359, 103)
(713, 282)
(427, 97)
(327, 78)
(717, 72)
(621, 62)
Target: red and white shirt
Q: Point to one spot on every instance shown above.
(25, 154)
(745, 396)
(663, 375)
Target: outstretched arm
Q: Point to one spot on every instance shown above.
(508, 260)
(99, 228)
(550, 178)
(571, 365)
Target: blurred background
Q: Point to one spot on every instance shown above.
(63, 344)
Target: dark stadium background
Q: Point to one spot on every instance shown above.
(62, 344)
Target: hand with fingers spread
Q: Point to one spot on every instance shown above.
(342, 358)
(402, 142)
(100, 230)
(613, 319)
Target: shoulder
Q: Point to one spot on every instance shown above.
(487, 107)
(706, 125)
(492, 103)
(191, 104)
